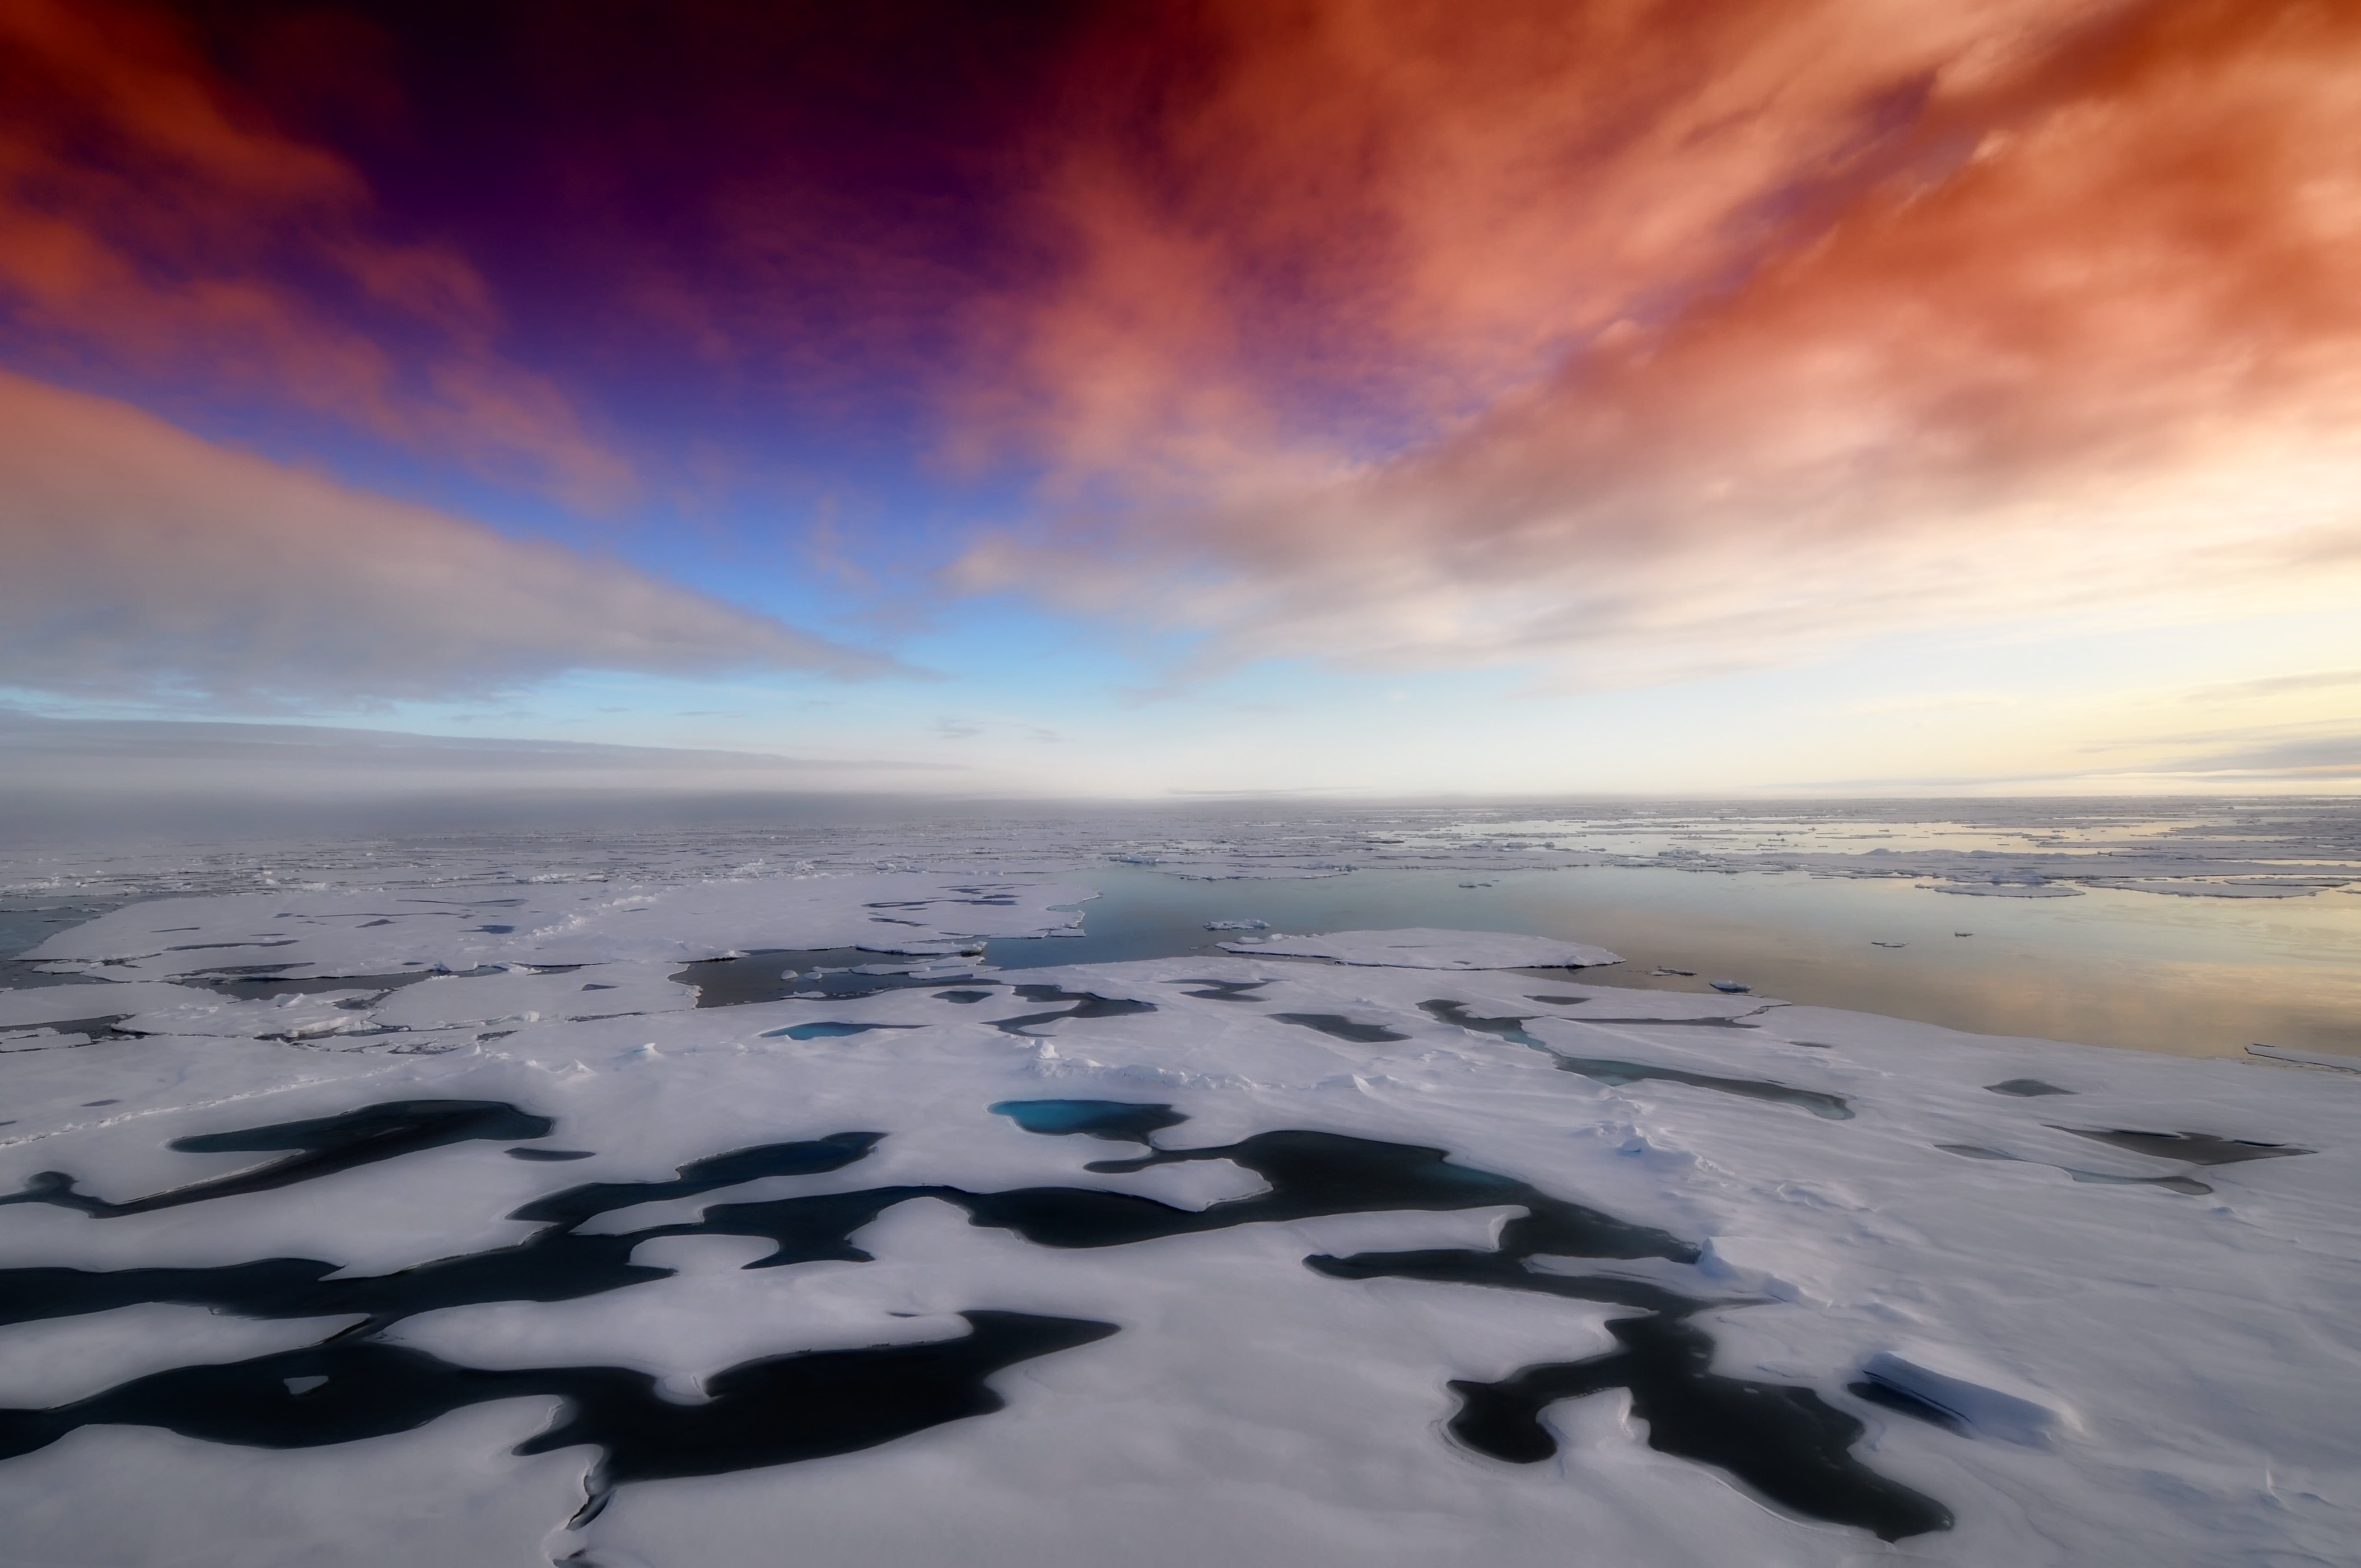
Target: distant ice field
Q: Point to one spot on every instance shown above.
(2194, 928)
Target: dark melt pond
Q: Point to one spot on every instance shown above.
(1114, 1119)
(1781, 1442)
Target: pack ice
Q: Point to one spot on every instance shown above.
(479, 1225)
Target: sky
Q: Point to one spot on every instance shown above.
(1378, 397)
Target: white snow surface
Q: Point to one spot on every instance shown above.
(2134, 1373)
(1425, 946)
(368, 931)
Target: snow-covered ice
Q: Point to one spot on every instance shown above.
(485, 1243)
(371, 931)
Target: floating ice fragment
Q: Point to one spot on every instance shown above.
(1731, 986)
(2235, 887)
(2005, 889)
(1237, 924)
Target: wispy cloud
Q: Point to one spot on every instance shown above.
(1644, 340)
(141, 559)
(2235, 692)
(1927, 702)
(954, 728)
(133, 776)
(155, 223)
(2323, 757)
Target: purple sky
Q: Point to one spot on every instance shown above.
(1286, 394)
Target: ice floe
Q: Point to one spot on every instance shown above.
(2229, 887)
(516, 1246)
(1997, 889)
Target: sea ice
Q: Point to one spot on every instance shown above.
(1126, 1257)
(361, 931)
(2194, 888)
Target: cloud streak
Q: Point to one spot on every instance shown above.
(155, 223)
(144, 562)
(1649, 340)
(142, 756)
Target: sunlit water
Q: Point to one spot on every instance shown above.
(2194, 976)
(2114, 966)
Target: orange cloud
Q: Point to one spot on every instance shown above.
(144, 561)
(150, 218)
(1634, 337)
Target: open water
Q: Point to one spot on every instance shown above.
(2192, 976)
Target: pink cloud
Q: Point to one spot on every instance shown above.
(150, 219)
(144, 561)
(1639, 338)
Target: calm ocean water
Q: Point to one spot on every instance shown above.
(2194, 976)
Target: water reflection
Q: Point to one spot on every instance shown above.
(2191, 976)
